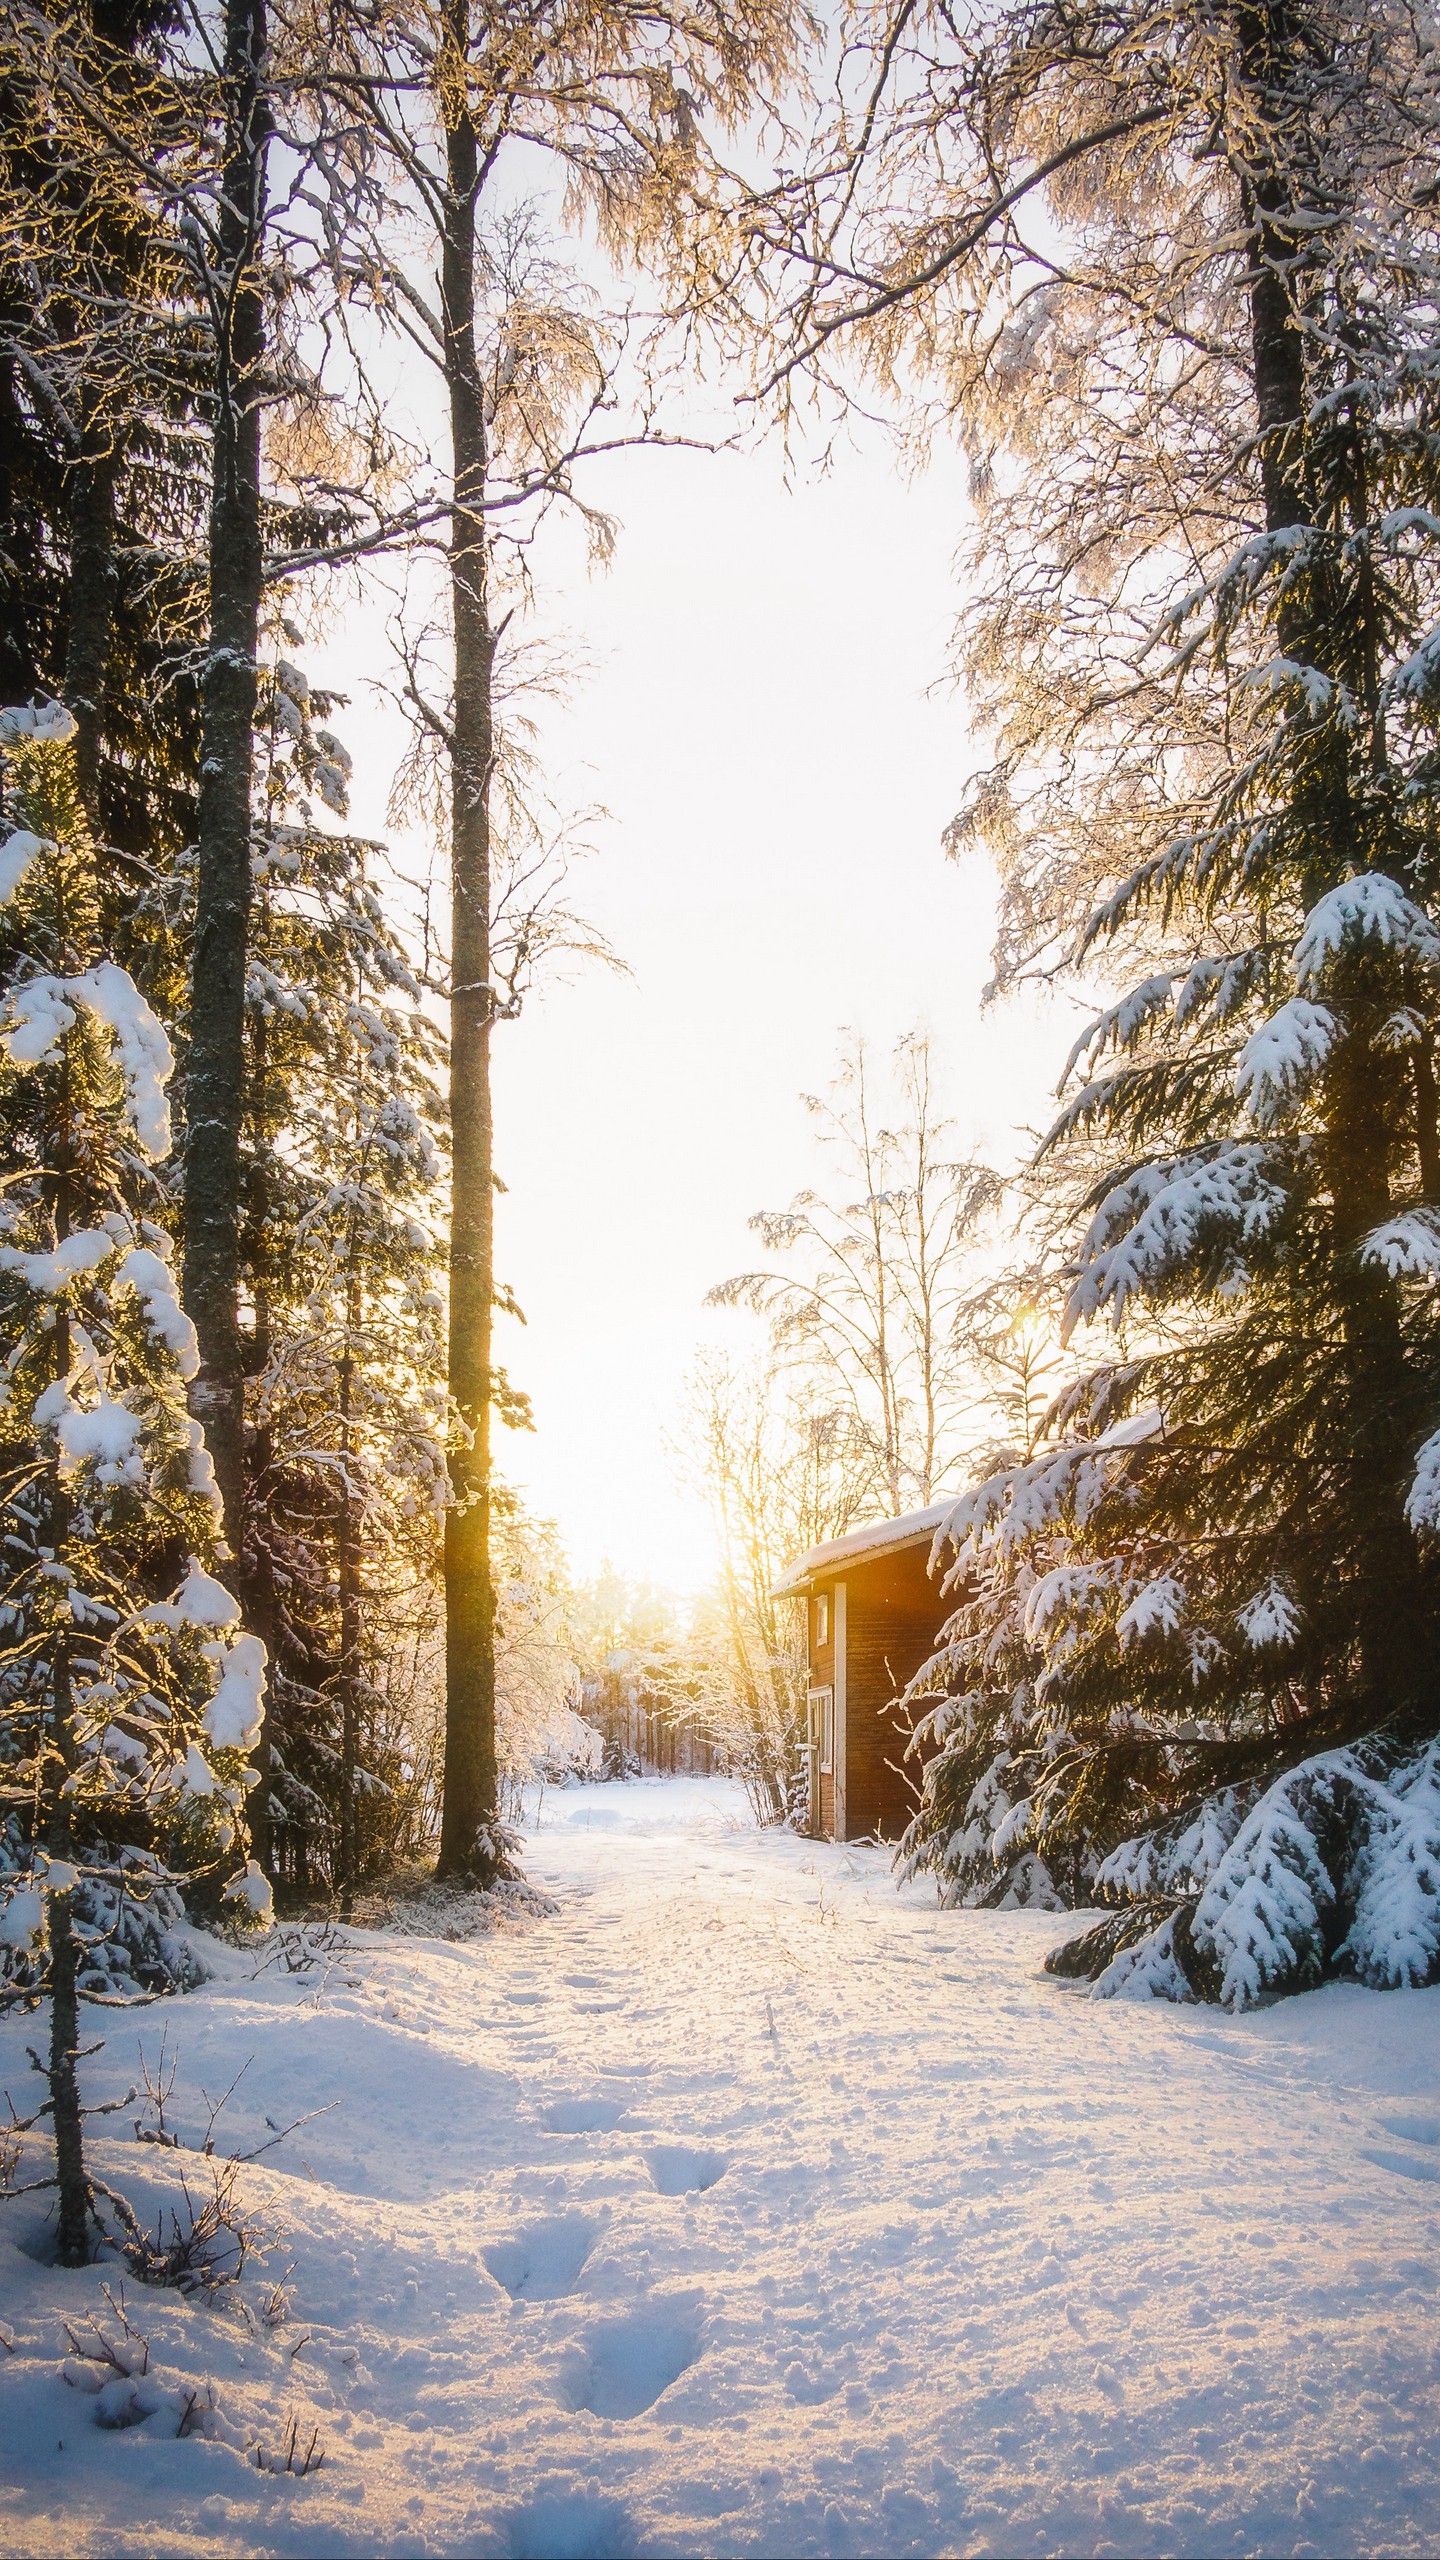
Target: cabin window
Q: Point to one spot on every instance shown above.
(822, 1618)
(822, 1725)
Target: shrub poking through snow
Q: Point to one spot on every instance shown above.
(109, 2365)
(128, 1701)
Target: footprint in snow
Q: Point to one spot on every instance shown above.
(573, 2525)
(622, 2367)
(584, 2115)
(544, 2261)
(677, 2169)
(1403, 2163)
(1412, 2128)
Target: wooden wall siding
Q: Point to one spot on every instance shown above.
(893, 1615)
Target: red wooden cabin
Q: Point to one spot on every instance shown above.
(874, 1611)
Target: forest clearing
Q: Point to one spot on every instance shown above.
(746, 2206)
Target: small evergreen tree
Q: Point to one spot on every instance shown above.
(127, 1702)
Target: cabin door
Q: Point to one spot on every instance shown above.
(819, 1752)
(839, 1714)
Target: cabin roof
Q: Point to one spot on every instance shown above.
(877, 1538)
(917, 1528)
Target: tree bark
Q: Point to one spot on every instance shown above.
(215, 1072)
(1427, 1123)
(347, 1546)
(258, 1595)
(1276, 339)
(468, 1842)
(66, 2120)
(73, 2236)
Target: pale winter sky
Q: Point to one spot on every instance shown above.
(760, 725)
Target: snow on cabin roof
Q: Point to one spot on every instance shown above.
(878, 1537)
(884, 1537)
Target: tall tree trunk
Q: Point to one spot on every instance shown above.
(215, 1072)
(1427, 1123)
(1277, 341)
(260, 1601)
(468, 1844)
(1393, 1636)
(66, 2120)
(348, 1575)
(73, 2234)
(258, 1595)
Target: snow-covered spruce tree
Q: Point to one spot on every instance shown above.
(1211, 500)
(127, 1704)
(983, 1733)
(343, 1187)
(992, 1731)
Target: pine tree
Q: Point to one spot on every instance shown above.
(214, 1072)
(127, 1702)
(343, 1203)
(1207, 647)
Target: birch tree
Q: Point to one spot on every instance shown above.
(779, 1475)
(883, 1263)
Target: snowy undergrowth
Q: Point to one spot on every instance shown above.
(423, 1908)
(746, 2206)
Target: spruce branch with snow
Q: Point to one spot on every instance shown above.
(128, 1701)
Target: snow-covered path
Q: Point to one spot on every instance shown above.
(748, 2207)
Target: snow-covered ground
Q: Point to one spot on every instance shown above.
(750, 2207)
